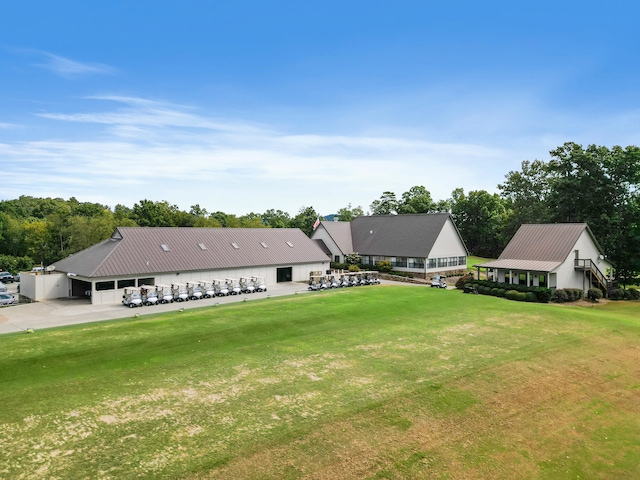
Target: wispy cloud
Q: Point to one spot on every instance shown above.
(66, 67)
(146, 147)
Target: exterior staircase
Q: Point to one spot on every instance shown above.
(591, 269)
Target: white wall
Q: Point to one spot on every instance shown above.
(41, 287)
(568, 276)
(321, 234)
(299, 273)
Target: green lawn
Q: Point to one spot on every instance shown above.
(372, 382)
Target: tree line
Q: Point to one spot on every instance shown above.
(596, 185)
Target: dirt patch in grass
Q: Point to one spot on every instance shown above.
(534, 419)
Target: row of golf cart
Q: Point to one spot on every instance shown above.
(183, 292)
(342, 280)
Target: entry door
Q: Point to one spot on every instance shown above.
(285, 274)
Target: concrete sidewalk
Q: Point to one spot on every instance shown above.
(60, 312)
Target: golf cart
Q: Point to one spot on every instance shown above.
(132, 297)
(233, 286)
(220, 287)
(439, 281)
(194, 289)
(165, 295)
(259, 283)
(149, 295)
(208, 290)
(246, 285)
(180, 292)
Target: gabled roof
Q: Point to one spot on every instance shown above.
(411, 235)
(540, 247)
(147, 250)
(340, 233)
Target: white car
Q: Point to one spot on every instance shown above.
(6, 299)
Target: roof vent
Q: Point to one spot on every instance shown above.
(290, 244)
(264, 245)
(235, 245)
(165, 247)
(202, 246)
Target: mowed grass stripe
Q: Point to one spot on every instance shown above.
(181, 393)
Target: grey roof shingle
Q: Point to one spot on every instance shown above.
(139, 251)
(397, 235)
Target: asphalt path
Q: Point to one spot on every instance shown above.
(60, 312)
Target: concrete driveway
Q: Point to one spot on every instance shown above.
(60, 312)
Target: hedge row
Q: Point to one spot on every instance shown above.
(498, 289)
(624, 294)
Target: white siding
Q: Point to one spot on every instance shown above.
(448, 243)
(299, 273)
(568, 276)
(321, 234)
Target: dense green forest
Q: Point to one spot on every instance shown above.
(596, 185)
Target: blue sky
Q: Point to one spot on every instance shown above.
(244, 106)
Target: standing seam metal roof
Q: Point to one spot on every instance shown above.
(138, 251)
(540, 247)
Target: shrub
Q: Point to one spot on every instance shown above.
(634, 293)
(530, 297)
(616, 294)
(511, 295)
(462, 281)
(594, 294)
(384, 266)
(354, 268)
(502, 292)
(486, 290)
(543, 294)
(494, 291)
(521, 296)
(560, 296)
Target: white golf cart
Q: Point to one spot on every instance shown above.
(132, 297)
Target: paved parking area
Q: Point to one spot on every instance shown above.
(60, 312)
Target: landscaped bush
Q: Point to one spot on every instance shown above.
(634, 293)
(462, 281)
(384, 266)
(530, 297)
(543, 294)
(616, 294)
(594, 294)
(354, 268)
(560, 296)
(575, 294)
(512, 295)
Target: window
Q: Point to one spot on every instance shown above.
(462, 260)
(290, 244)
(165, 247)
(336, 259)
(542, 280)
(442, 262)
(202, 246)
(264, 245)
(146, 281)
(453, 261)
(130, 282)
(101, 286)
(432, 263)
(235, 245)
(415, 262)
(400, 262)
